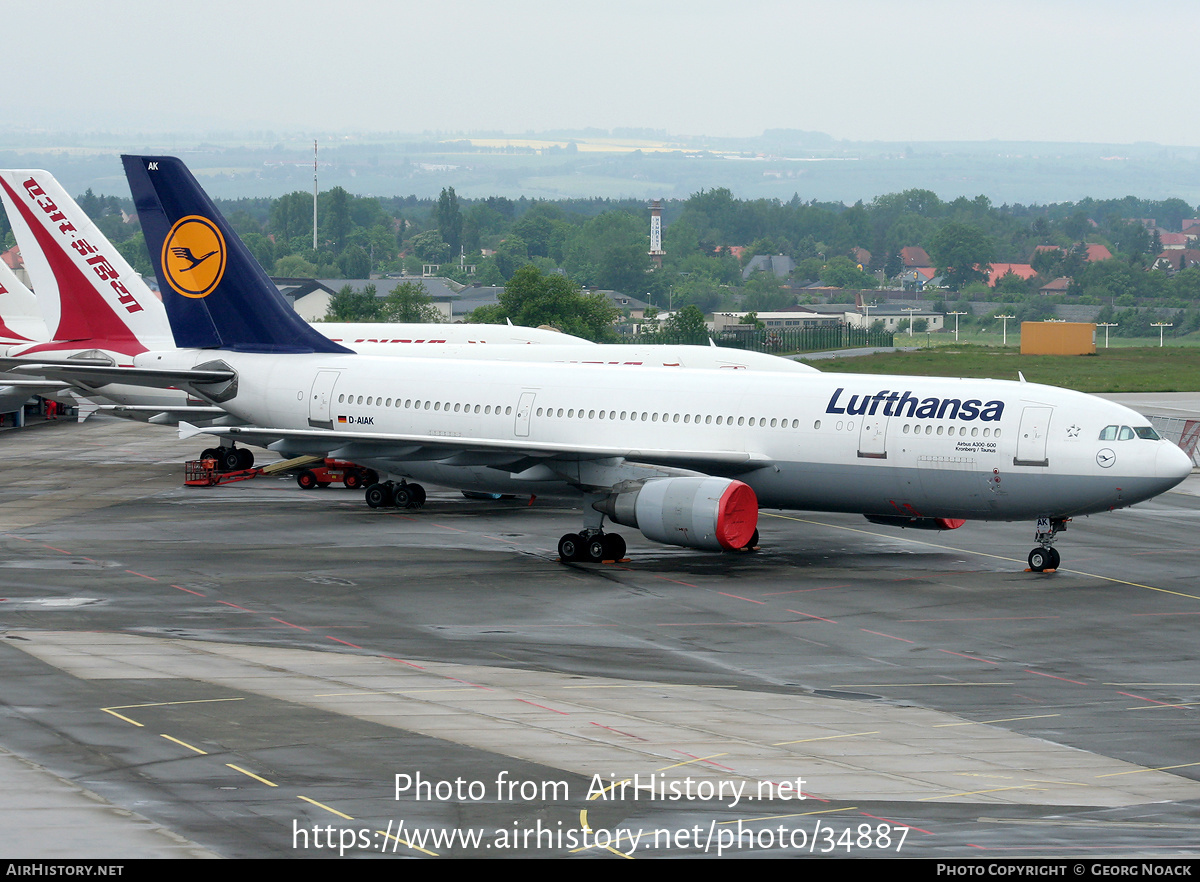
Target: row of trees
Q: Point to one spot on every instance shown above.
(408, 302)
(604, 244)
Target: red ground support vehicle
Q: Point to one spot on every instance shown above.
(205, 473)
(333, 471)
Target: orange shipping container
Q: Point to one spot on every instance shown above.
(1058, 338)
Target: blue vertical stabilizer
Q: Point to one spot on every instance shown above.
(216, 294)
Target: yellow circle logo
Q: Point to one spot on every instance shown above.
(193, 256)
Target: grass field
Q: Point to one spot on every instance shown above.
(987, 338)
(1120, 369)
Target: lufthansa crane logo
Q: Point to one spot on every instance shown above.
(193, 256)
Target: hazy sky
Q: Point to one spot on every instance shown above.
(1047, 70)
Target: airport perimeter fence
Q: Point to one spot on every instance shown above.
(778, 340)
(1183, 431)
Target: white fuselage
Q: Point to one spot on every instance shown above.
(909, 446)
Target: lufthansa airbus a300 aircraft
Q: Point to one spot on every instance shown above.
(686, 457)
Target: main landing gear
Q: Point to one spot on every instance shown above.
(389, 494)
(591, 545)
(230, 459)
(1045, 556)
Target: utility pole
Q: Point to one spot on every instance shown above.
(314, 194)
(956, 315)
(1005, 319)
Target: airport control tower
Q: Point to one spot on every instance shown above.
(656, 249)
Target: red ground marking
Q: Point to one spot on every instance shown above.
(677, 582)
(802, 794)
(543, 707)
(739, 597)
(619, 732)
(235, 606)
(289, 624)
(811, 616)
(402, 661)
(1150, 700)
(454, 529)
(189, 590)
(986, 619)
(1052, 677)
(52, 548)
(347, 643)
(895, 823)
(804, 590)
(706, 761)
(143, 575)
(889, 636)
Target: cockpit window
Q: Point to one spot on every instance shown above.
(1108, 433)
(1126, 434)
(1147, 433)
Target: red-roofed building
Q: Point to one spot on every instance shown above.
(1023, 271)
(1058, 286)
(914, 256)
(1176, 259)
(1173, 241)
(1094, 252)
(12, 258)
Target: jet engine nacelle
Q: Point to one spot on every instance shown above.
(715, 514)
(916, 523)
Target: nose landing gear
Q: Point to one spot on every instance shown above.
(1046, 556)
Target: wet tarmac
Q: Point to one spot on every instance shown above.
(255, 670)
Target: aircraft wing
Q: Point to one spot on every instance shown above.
(99, 373)
(510, 454)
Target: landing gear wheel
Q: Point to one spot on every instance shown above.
(595, 549)
(1039, 560)
(1055, 559)
(379, 496)
(307, 480)
(614, 546)
(570, 547)
(370, 476)
(418, 495)
(245, 458)
(752, 544)
(353, 480)
(209, 453)
(403, 496)
(229, 459)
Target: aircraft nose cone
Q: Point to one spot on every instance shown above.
(1172, 464)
